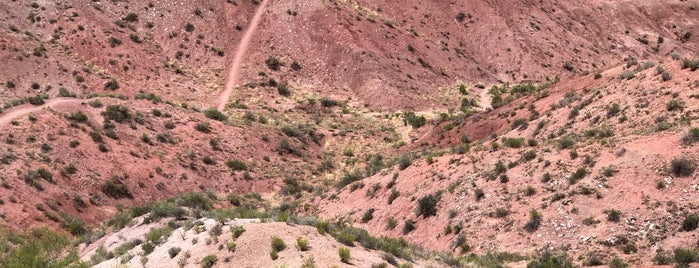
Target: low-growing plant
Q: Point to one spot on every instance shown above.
(208, 261)
(173, 251)
(690, 223)
(534, 221)
(277, 244)
(344, 254)
(427, 205)
(682, 166)
(302, 243)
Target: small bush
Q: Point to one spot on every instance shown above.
(617, 263)
(409, 118)
(173, 251)
(189, 27)
(675, 105)
(236, 165)
(534, 221)
(302, 243)
(116, 189)
(344, 254)
(427, 206)
(368, 215)
(684, 256)
(273, 63)
(203, 127)
(691, 136)
(626, 75)
(117, 113)
(613, 215)
(513, 142)
(690, 223)
(682, 166)
(565, 143)
(113, 41)
(392, 196)
(283, 89)
(551, 260)
(237, 231)
(277, 244)
(147, 248)
(577, 175)
(214, 114)
(230, 246)
(529, 155)
(408, 226)
(208, 261)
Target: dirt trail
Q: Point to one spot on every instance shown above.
(238, 58)
(8, 116)
(485, 99)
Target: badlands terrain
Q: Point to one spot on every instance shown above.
(349, 133)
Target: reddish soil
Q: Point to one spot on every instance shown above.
(357, 65)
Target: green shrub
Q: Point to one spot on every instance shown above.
(551, 260)
(78, 117)
(117, 113)
(534, 221)
(277, 244)
(158, 235)
(577, 175)
(674, 105)
(344, 254)
(408, 226)
(626, 75)
(565, 143)
(368, 215)
(274, 254)
(208, 261)
(214, 114)
(529, 191)
(173, 251)
(147, 248)
(189, 27)
(236, 165)
(684, 256)
(662, 258)
(404, 162)
(237, 231)
(409, 118)
(689, 64)
(513, 142)
(392, 196)
(613, 215)
(302, 243)
(230, 246)
(116, 189)
(529, 155)
(682, 166)
(273, 63)
(613, 110)
(690, 223)
(203, 127)
(691, 136)
(283, 89)
(427, 206)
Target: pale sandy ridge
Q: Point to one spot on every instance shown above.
(234, 72)
(8, 116)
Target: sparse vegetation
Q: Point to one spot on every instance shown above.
(344, 254)
(682, 166)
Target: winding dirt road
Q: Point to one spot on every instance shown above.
(7, 116)
(234, 72)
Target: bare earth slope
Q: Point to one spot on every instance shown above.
(575, 109)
